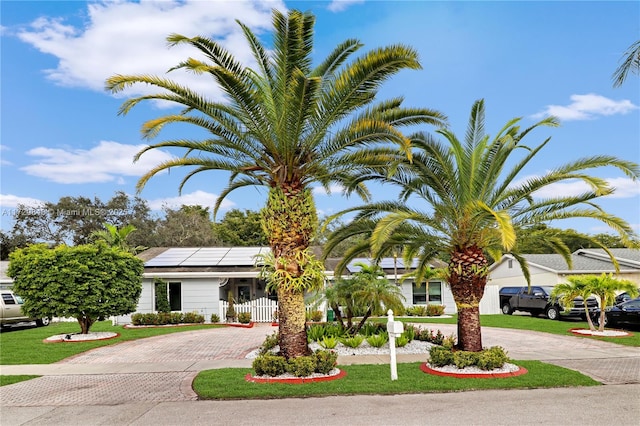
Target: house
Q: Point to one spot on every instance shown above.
(551, 269)
(201, 279)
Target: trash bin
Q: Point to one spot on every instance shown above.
(330, 315)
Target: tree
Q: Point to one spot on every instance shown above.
(630, 63)
(187, 226)
(240, 229)
(115, 237)
(85, 282)
(73, 220)
(477, 207)
(285, 125)
(366, 293)
(604, 287)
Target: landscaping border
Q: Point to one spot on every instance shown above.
(425, 368)
(294, 380)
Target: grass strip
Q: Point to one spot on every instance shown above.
(26, 346)
(9, 380)
(229, 383)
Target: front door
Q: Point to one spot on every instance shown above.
(244, 293)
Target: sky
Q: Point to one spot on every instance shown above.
(61, 135)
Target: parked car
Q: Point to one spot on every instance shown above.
(625, 314)
(537, 300)
(623, 297)
(11, 310)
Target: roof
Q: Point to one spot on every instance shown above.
(585, 261)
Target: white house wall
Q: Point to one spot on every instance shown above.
(202, 296)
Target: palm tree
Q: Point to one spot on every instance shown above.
(630, 62)
(474, 207)
(604, 287)
(285, 125)
(366, 293)
(115, 237)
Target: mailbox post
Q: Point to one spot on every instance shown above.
(394, 328)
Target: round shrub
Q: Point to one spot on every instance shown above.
(269, 365)
(325, 361)
(352, 342)
(302, 366)
(494, 357)
(439, 356)
(269, 343)
(215, 318)
(464, 359)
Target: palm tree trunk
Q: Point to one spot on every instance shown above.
(467, 279)
(289, 221)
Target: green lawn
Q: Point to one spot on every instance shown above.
(26, 346)
(230, 383)
(9, 380)
(526, 322)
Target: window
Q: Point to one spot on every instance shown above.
(510, 263)
(175, 296)
(435, 292)
(8, 299)
(419, 294)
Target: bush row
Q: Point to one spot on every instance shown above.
(424, 310)
(163, 318)
(487, 359)
(320, 361)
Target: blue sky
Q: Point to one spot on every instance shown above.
(61, 135)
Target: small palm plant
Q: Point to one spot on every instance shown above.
(604, 287)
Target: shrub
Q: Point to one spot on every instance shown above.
(302, 366)
(410, 332)
(269, 365)
(402, 341)
(136, 319)
(449, 342)
(434, 310)
(244, 317)
(231, 311)
(334, 330)
(439, 356)
(176, 318)
(325, 361)
(269, 343)
(162, 298)
(494, 357)
(315, 332)
(377, 340)
(416, 311)
(464, 359)
(352, 342)
(370, 328)
(215, 318)
(316, 316)
(328, 342)
(193, 318)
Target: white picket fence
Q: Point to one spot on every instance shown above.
(262, 309)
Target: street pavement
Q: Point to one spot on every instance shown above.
(148, 381)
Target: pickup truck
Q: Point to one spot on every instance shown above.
(11, 310)
(537, 300)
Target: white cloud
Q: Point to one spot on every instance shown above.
(587, 107)
(200, 198)
(335, 189)
(340, 5)
(124, 37)
(12, 201)
(106, 162)
(624, 188)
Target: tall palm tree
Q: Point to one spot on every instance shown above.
(474, 206)
(285, 125)
(630, 62)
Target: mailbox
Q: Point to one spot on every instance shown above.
(395, 327)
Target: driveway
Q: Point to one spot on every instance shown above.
(161, 368)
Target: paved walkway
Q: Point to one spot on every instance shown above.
(161, 368)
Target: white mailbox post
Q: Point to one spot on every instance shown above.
(395, 329)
